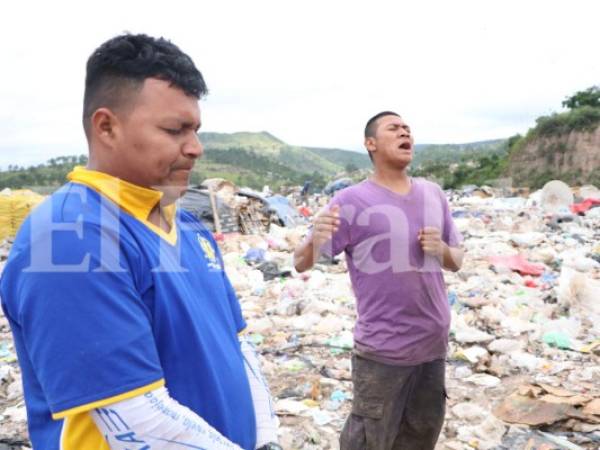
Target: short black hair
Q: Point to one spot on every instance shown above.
(371, 126)
(124, 62)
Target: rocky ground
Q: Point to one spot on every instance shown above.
(524, 357)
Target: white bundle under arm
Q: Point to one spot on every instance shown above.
(156, 421)
(159, 422)
(266, 420)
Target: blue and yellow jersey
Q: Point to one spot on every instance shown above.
(105, 306)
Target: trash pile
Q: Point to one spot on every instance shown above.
(524, 358)
(524, 366)
(13, 418)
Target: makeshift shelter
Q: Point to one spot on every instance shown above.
(337, 185)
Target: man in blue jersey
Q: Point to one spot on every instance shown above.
(125, 324)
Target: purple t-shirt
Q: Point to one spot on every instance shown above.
(401, 299)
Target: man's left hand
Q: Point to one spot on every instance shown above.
(431, 242)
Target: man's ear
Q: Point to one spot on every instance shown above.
(370, 144)
(104, 126)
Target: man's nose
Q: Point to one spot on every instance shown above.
(193, 148)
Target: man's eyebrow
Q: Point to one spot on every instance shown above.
(191, 125)
(182, 122)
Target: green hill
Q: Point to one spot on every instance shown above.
(344, 158)
(456, 165)
(258, 159)
(427, 154)
(265, 145)
(560, 146)
(263, 141)
(247, 159)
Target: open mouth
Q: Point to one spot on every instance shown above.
(405, 146)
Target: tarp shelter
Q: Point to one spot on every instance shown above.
(238, 210)
(337, 185)
(285, 212)
(197, 201)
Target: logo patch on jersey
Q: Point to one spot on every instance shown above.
(209, 253)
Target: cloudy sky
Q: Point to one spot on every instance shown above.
(309, 72)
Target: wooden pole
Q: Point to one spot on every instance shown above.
(213, 205)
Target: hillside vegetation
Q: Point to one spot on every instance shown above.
(258, 159)
(247, 159)
(456, 165)
(562, 145)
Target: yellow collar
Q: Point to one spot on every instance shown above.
(136, 200)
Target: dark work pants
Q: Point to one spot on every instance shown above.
(395, 407)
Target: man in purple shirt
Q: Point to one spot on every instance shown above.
(398, 235)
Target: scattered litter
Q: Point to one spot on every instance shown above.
(525, 336)
(518, 263)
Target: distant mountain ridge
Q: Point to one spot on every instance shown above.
(562, 145)
(263, 144)
(262, 151)
(332, 160)
(253, 159)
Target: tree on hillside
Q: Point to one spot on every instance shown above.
(351, 167)
(589, 97)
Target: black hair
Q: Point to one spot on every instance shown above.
(371, 126)
(122, 64)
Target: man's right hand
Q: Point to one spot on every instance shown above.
(325, 223)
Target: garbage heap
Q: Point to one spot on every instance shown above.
(13, 417)
(524, 358)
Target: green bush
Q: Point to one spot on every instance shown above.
(481, 171)
(585, 118)
(589, 97)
